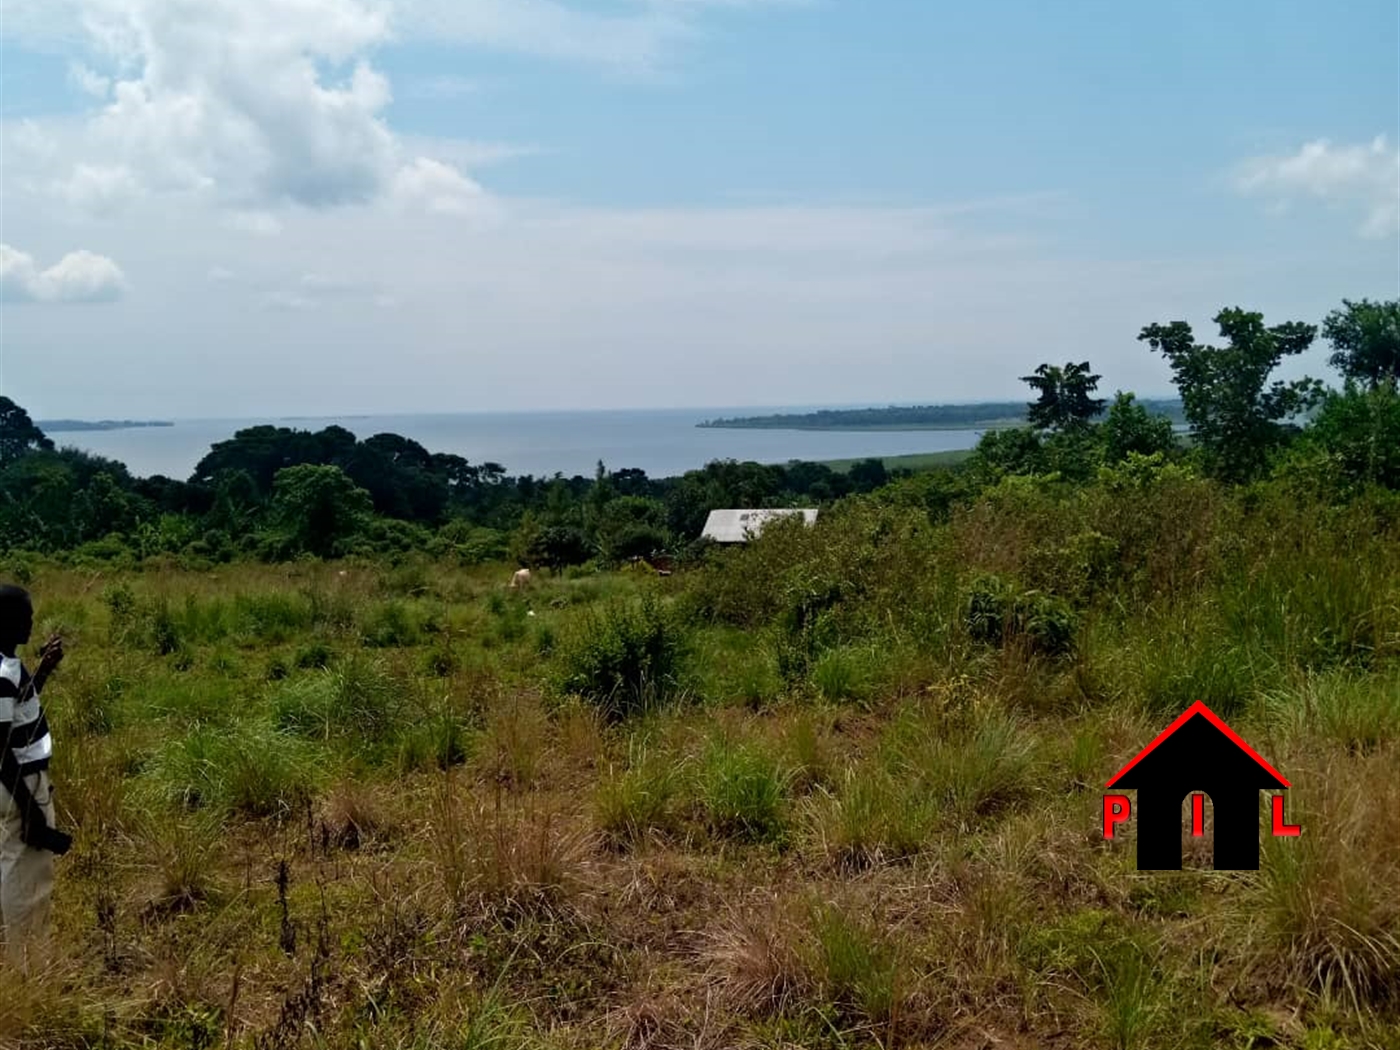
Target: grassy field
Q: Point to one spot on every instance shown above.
(839, 789)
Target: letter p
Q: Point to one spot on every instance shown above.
(1116, 810)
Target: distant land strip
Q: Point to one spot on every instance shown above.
(984, 415)
(60, 426)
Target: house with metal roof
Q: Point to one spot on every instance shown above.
(739, 526)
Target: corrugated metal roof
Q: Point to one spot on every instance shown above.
(736, 526)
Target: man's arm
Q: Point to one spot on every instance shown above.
(50, 656)
(10, 776)
(13, 780)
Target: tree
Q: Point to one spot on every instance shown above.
(318, 508)
(1355, 437)
(1365, 338)
(1235, 418)
(1015, 450)
(867, 475)
(1064, 402)
(18, 433)
(632, 527)
(1129, 428)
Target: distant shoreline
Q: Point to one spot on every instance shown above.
(73, 426)
(984, 415)
(852, 428)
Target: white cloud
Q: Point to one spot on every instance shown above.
(78, 277)
(1363, 178)
(438, 187)
(99, 188)
(90, 82)
(252, 104)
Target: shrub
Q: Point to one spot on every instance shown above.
(624, 659)
(389, 624)
(996, 613)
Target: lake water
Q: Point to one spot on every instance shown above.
(661, 442)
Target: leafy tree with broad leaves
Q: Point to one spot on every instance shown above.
(1237, 417)
(1354, 440)
(632, 527)
(1365, 338)
(318, 508)
(1064, 402)
(1129, 427)
(18, 433)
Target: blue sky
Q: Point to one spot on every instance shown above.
(560, 204)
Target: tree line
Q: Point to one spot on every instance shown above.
(276, 493)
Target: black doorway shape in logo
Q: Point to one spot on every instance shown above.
(1198, 752)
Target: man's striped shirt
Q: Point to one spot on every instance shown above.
(20, 707)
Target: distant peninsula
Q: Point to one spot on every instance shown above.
(62, 426)
(982, 415)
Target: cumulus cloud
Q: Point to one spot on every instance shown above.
(79, 277)
(1364, 178)
(253, 105)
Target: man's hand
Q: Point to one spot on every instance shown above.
(50, 656)
(35, 831)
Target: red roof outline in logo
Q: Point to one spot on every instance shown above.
(1198, 708)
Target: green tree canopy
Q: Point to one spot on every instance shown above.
(1130, 428)
(1064, 402)
(18, 433)
(318, 508)
(1236, 416)
(1365, 338)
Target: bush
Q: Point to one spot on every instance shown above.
(390, 624)
(996, 613)
(624, 659)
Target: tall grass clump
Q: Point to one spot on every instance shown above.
(1323, 913)
(871, 819)
(858, 968)
(624, 659)
(967, 768)
(357, 699)
(271, 618)
(633, 803)
(743, 791)
(252, 770)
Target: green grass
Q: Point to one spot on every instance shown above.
(784, 797)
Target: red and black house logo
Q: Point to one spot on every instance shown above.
(1197, 755)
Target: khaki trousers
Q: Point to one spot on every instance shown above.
(26, 876)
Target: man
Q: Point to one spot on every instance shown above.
(28, 839)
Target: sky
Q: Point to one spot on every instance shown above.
(238, 208)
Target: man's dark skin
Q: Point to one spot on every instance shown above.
(35, 831)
